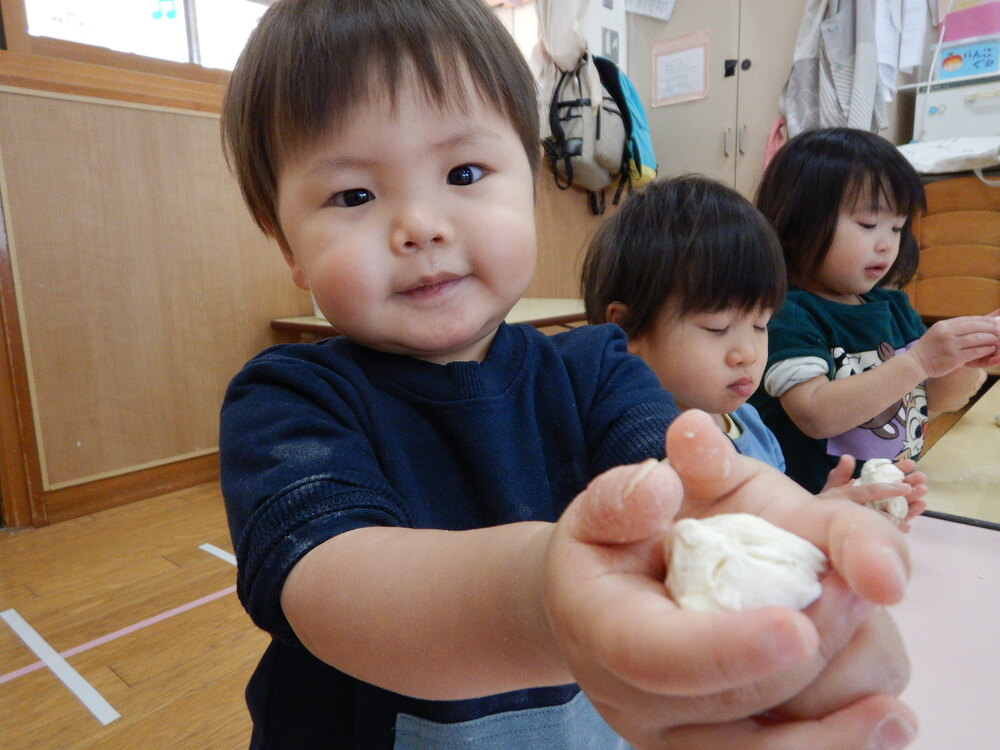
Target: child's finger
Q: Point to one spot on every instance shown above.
(867, 493)
(870, 552)
(866, 548)
(706, 460)
(879, 722)
(841, 473)
(687, 653)
(626, 504)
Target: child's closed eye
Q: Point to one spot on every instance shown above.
(466, 174)
(351, 198)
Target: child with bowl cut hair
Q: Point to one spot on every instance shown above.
(452, 527)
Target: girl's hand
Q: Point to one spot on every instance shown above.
(949, 344)
(989, 360)
(840, 486)
(667, 678)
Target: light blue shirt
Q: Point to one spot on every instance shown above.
(755, 439)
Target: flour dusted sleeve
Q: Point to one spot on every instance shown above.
(297, 468)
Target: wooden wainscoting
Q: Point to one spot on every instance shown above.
(135, 286)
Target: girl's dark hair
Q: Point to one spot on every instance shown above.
(690, 239)
(309, 62)
(820, 172)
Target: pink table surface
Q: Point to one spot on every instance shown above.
(950, 622)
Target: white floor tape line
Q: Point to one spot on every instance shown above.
(82, 689)
(220, 553)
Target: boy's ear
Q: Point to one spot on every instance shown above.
(616, 313)
(286, 252)
(298, 276)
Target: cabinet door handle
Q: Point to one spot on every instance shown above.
(982, 95)
(739, 139)
(725, 141)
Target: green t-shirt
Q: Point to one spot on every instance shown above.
(850, 339)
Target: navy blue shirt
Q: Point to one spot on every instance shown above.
(318, 439)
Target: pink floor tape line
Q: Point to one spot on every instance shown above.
(119, 633)
(210, 548)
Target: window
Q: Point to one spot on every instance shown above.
(521, 21)
(210, 33)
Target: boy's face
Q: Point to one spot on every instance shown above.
(413, 227)
(710, 361)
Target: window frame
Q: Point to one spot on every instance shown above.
(15, 24)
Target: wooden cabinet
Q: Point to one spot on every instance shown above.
(725, 134)
(959, 238)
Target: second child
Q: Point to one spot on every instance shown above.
(692, 273)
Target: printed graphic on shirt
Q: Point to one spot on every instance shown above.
(898, 431)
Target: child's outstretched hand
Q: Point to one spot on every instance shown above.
(840, 486)
(990, 360)
(972, 340)
(670, 678)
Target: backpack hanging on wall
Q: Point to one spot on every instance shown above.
(598, 137)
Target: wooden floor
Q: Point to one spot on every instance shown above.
(176, 674)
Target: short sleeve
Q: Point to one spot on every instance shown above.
(795, 333)
(283, 430)
(627, 410)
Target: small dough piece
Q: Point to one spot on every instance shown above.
(737, 561)
(883, 471)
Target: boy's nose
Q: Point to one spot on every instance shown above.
(418, 228)
(742, 353)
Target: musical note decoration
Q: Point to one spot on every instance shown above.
(165, 9)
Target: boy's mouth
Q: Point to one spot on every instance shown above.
(744, 387)
(430, 286)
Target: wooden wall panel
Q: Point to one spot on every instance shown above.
(565, 225)
(142, 283)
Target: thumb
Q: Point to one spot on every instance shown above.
(705, 459)
(840, 474)
(625, 504)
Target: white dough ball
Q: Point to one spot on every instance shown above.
(738, 561)
(883, 471)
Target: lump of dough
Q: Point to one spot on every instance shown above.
(738, 561)
(883, 471)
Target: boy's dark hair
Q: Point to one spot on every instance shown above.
(309, 62)
(688, 239)
(816, 174)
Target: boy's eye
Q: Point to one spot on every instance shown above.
(465, 174)
(352, 197)
(760, 329)
(865, 226)
(718, 331)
